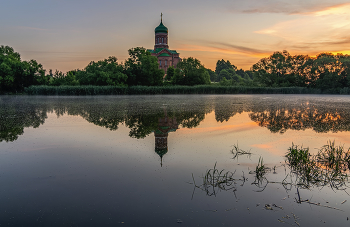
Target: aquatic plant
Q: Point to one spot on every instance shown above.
(260, 170)
(334, 157)
(215, 181)
(328, 167)
(296, 156)
(236, 151)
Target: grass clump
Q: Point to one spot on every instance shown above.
(334, 157)
(260, 170)
(330, 166)
(296, 156)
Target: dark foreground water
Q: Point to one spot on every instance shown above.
(136, 160)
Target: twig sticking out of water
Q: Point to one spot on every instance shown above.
(236, 151)
(215, 181)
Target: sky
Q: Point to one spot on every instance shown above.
(68, 34)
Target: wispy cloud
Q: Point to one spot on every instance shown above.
(227, 48)
(325, 30)
(285, 6)
(333, 10)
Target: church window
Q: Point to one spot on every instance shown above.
(162, 40)
(160, 62)
(165, 62)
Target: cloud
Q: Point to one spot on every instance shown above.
(285, 6)
(220, 47)
(241, 49)
(326, 30)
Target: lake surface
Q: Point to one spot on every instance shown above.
(140, 160)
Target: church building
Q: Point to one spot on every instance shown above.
(161, 50)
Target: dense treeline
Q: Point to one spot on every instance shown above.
(325, 73)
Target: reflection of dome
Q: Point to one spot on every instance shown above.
(161, 151)
(161, 28)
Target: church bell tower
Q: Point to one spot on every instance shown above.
(161, 35)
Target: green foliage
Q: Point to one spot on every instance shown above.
(260, 170)
(59, 78)
(142, 68)
(75, 90)
(328, 167)
(102, 73)
(190, 72)
(326, 71)
(226, 73)
(16, 74)
(170, 73)
(334, 157)
(152, 90)
(212, 74)
(224, 82)
(298, 155)
(224, 65)
(280, 73)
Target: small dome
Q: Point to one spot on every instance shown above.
(161, 28)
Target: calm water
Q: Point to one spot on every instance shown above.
(133, 160)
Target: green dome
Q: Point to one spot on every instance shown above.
(161, 28)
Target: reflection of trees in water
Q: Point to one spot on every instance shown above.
(301, 118)
(16, 117)
(223, 112)
(142, 115)
(281, 115)
(142, 119)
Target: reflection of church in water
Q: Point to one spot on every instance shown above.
(165, 125)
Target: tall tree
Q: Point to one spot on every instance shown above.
(170, 73)
(222, 64)
(212, 74)
(142, 68)
(190, 71)
(16, 74)
(104, 72)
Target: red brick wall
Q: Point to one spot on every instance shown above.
(161, 40)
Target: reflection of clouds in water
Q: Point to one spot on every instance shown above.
(221, 129)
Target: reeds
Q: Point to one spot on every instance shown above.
(260, 170)
(334, 157)
(328, 167)
(153, 90)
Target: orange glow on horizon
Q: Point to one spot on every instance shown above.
(239, 127)
(344, 52)
(336, 10)
(186, 47)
